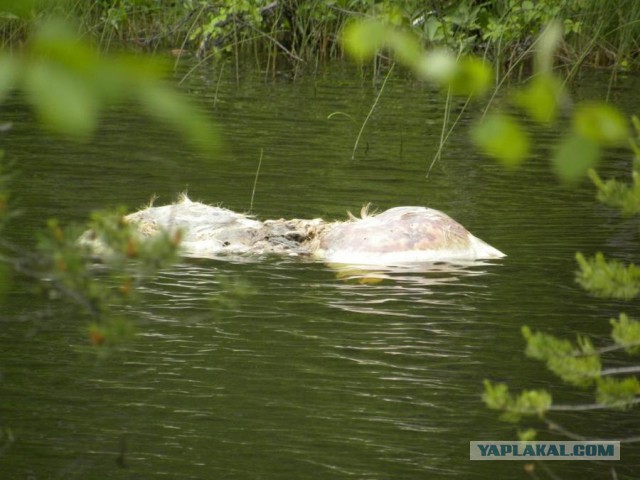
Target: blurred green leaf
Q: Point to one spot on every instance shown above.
(63, 101)
(10, 68)
(466, 76)
(601, 123)
(169, 106)
(139, 67)
(67, 82)
(437, 65)
(406, 47)
(528, 435)
(110, 77)
(119, 76)
(57, 41)
(502, 138)
(472, 76)
(19, 8)
(574, 157)
(546, 46)
(62, 79)
(540, 98)
(363, 39)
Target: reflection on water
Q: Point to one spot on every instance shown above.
(381, 290)
(277, 368)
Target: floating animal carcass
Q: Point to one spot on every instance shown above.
(396, 236)
(401, 235)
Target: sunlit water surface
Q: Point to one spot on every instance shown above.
(281, 368)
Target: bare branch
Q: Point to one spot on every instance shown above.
(620, 370)
(556, 427)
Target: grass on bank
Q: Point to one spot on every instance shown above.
(596, 33)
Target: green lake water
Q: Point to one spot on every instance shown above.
(308, 375)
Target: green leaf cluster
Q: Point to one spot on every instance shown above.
(618, 394)
(615, 193)
(626, 333)
(576, 364)
(122, 242)
(18, 8)
(65, 267)
(608, 278)
(528, 435)
(220, 23)
(497, 25)
(529, 402)
(623, 196)
(521, 18)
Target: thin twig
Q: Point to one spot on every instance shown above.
(276, 42)
(375, 103)
(598, 351)
(255, 181)
(587, 406)
(445, 138)
(186, 38)
(620, 370)
(556, 427)
(445, 121)
(506, 76)
(204, 59)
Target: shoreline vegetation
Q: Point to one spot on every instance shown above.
(596, 33)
